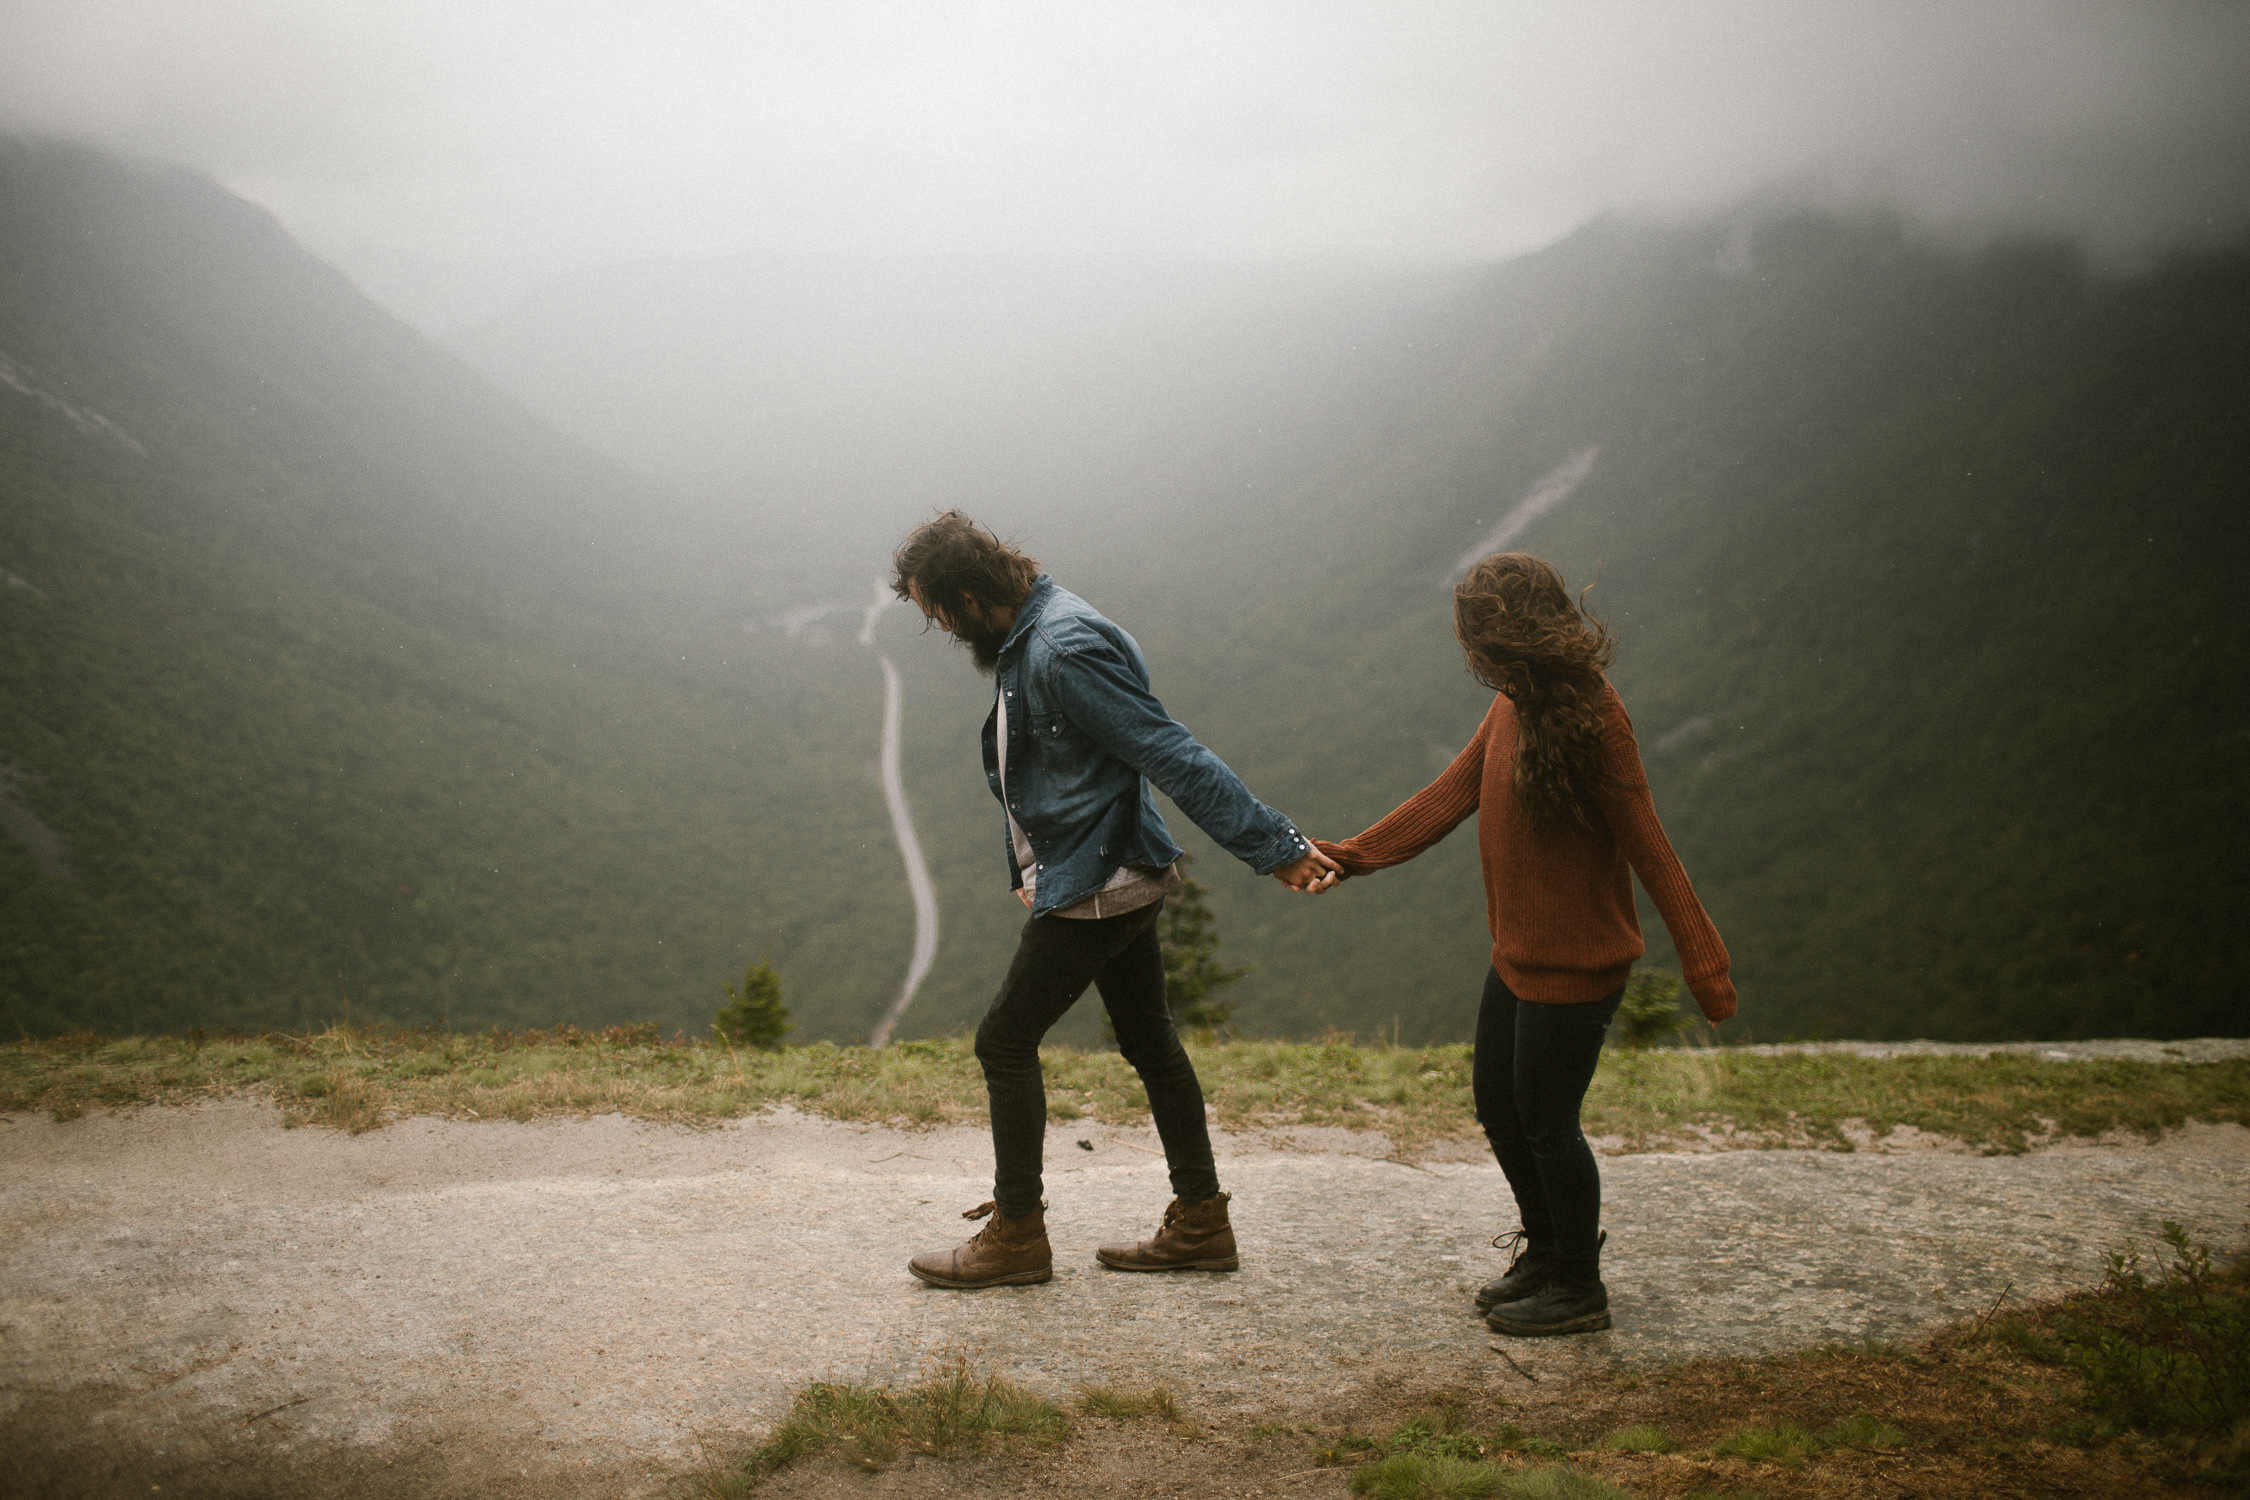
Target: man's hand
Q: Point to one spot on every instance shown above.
(1315, 873)
(1024, 896)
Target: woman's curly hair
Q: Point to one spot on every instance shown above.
(1527, 638)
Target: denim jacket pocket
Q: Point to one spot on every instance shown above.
(1059, 744)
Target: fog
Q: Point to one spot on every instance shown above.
(452, 156)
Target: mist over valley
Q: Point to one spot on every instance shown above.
(519, 680)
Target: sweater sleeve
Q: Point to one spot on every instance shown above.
(1631, 813)
(1422, 819)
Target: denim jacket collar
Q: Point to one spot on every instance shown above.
(1027, 613)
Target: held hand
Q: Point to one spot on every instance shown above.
(1314, 873)
(1024, 896)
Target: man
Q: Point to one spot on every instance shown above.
(1074, 742)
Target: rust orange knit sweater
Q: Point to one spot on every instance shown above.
(1560, 900)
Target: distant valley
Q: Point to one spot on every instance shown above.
(455, 687)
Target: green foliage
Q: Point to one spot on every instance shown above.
(1650, 1012)
(1193, 975)
(754, 1016)
(950, 1409)
(2167, 1355)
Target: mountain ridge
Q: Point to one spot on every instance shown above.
(1944, 753)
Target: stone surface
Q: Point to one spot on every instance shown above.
(611, 1300)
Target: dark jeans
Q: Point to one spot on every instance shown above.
(1533, 1065)
(1056, 959)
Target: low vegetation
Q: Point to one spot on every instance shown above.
(2135, 1388)
(950, 1409)
(353, 1078)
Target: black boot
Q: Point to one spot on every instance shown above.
(1563, 1305)
(1530, 1267)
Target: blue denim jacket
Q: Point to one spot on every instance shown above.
(1086, 739)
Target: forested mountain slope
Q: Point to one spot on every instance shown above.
(1923, 567)
(1921, 562)
(331, 677)
(333, 683)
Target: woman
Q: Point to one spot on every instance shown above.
(1565, 822)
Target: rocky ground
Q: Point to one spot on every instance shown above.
(199, 1301)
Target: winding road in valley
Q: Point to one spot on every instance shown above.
(902, 829)
(796, 624)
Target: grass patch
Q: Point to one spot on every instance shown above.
(1131, 1406)
(1785, 1444)
(1437, 1456)
(1641, 1439)
(2002, 1103)
(1413, 1476)
(949, 1410)
(352, 1078)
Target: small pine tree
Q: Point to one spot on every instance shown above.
(1193, 975)
(1650, 1011)
(754, 1015)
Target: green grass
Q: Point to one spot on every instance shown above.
(1789, 1445)
(353, 1078)
(1639, 1440)
(1435, 1458)
(949, 1409)
(1784, 1443)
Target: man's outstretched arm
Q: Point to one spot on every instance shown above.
(1105, 700)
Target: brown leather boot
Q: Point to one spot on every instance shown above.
(1193, 1237)
(1006, 1252)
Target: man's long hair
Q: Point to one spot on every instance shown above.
(954, 561)
(1527, 638)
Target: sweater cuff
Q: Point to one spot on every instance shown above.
(1341, 855)
(1714, 997)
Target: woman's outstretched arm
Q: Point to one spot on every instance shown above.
(1422, 819)
(1631, 813)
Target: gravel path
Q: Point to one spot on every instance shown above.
(587, 1307)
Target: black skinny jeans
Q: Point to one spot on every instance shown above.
(1533, 1065)
(1056, 959)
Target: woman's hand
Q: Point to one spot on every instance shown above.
(1313, 873)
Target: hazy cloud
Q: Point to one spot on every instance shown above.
(524, 136)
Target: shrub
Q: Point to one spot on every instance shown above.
(2168, 1356)
(754, 1015)
(1193, 975)
(1650, 1012)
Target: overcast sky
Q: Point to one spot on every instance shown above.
(513, 138)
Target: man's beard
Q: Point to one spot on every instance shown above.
(983, 642)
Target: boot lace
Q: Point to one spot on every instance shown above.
(1517, 1244)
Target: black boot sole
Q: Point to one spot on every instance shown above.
(1590, 1323)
